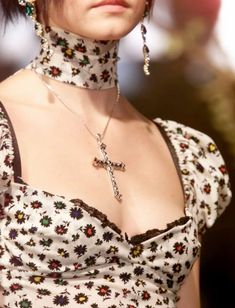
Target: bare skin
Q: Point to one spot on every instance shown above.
(44, 127)
(57, 151)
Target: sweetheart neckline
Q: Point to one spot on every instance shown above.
(137, 239)
(157, 121)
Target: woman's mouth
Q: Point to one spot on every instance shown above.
(112, 5)
(111, 2)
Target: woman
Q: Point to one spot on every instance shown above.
(76, 204)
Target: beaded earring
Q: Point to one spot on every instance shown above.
(145, 47)
(31, 11)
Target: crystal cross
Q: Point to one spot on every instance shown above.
(109, 166)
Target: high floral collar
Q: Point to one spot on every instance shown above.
(77, 60)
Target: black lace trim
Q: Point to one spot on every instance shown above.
(135, 239)
(99, 215)
(139, 238)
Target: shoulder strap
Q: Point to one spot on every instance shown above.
(172, 152)
(17, 160)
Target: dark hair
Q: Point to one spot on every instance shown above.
(12, 9)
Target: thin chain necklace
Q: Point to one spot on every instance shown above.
(105, 163)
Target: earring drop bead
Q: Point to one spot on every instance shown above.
(145, 50)
(30, 10)
(22, 2)
(143, 29)
(145, 47)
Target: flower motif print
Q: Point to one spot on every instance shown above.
(207, 188)
(55, 71)
(94, 78)
(1, 251)
(61, 300)
(145, 295)
(80, 47)
(20, 217)
(77, 60)
(177, 267)
(212, 148)
(80, 250)
(36, 204)
(125, 277)
(25, 303)
(75, 71)
(60, 230)
(36, 279)
(103, 290)
(68, 53)
(136, 251)
(8, 200)
(8, 161)
(46, 221)
(76, 213)
(54, 264)
(89, 230)
(13, 232)
(105, 75)
(179, 248)
(56, 252)
(84, 61)
(43, 292)
(46, 242)
(223, 169)
(59, 205)
(15, 287)
(81, 298)
(60, 41)
(63, 253)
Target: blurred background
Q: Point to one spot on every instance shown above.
(192, 81)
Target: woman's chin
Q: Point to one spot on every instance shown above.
(105, 35)
(99, 28)
(110, 32)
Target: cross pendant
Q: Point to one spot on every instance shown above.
(109, 166)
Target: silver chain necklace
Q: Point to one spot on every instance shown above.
(105, 162)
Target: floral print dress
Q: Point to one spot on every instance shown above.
(56, 252)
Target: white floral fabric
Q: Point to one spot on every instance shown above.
(78, 61)
(56, 252)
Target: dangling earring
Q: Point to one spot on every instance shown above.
(145, 47)
(31, 11)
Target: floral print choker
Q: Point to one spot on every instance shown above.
(78, 61)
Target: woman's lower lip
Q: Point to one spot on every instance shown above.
(111, 7)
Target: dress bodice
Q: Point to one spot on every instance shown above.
(59, 252)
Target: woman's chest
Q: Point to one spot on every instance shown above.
(38, 225)
(57, 155)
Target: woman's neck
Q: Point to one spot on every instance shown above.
(88, 103)
(78, 61)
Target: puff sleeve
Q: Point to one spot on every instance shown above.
(203, 170)
(209, 178)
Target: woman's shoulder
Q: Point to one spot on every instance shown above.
(13, 91)
(182, 131)
(189, 139)
(18, 93)
(17, 87)
(202, 163)
(193, 146)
